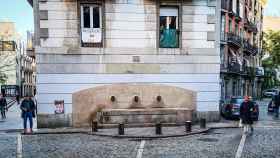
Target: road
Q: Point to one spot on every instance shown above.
(222, 143)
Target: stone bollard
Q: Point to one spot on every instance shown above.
(94, 126)
(158, 129)
(188, 125)
(202, 123)
(121, 129)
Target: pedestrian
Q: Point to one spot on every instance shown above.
(276, 104)
(17, 99)
(28, 112)
(3, 106)
(246, 110)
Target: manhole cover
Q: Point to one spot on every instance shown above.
(208, 139)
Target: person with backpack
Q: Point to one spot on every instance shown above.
(28, 112)
(3, 106)
(276, 104)
(246, 110)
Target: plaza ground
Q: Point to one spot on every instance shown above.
(213, 144)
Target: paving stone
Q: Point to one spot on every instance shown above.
(220, 143)
(264, 143)
(8, 146)
(77, 145)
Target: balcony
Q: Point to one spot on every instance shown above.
(249, 71)
(234, 40)
(224, 5)
(259, 71)
(249, 49)
(234, 68)
(250, 26)
(30, 52)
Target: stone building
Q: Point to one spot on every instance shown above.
(9, 49)
(125, 51)
(241, 43)
(28, 68)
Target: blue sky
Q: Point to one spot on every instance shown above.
(272, 8)
(20, 12)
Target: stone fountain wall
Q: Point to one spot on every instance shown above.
(88, 103)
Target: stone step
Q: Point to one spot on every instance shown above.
(141, 116)
(152, 111)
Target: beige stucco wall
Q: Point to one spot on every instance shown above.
(87, 102)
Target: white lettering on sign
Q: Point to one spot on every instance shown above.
(91, 35)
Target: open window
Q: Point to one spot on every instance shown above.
(169, 27)
(91, 25)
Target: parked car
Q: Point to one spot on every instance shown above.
(270, 92)
(269, 107)
(231, 108)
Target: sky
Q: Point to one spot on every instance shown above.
(20, 12)
(272, 8)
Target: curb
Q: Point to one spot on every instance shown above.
(151, 137)
(11, 130)
(121, 136)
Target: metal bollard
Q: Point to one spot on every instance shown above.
(121, 129)
(94, 126)
(202, 123)
(158, 129)
(188, 125)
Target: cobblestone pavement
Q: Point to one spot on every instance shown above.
(219, 143)
(8, 145)
(76, 146)
(264, 143)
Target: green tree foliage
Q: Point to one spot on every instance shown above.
(271, 45)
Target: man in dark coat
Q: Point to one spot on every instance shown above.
(246, 110)
(27, 106)
(276, 104)
(3, 106)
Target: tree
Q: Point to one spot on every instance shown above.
(271, 45)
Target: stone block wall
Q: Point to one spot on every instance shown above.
(131, 32)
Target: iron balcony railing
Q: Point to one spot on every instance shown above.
(234, 39)
(249, 48)
(250, 26)
(234, 68)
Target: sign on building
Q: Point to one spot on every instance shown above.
(7, 46)
(59, 106)
(91, 35)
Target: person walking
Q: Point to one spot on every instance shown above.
(3, 106)
(28, 107)
(246, 110)
(18, 99)
(276, 104)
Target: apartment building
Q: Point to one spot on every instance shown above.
(241, 43)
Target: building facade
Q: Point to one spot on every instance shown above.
(81, 44)
(28, 79)
(10, 47)
(28, 68)
(241, 43)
